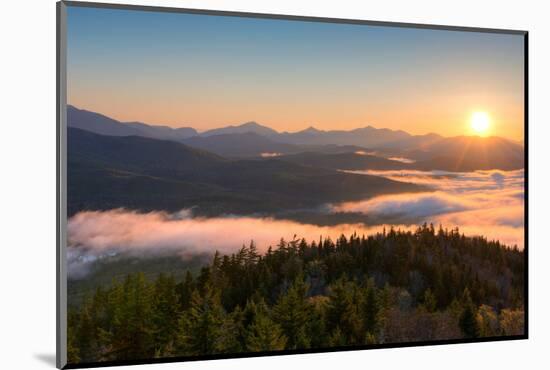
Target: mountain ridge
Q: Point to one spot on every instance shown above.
(134, 172)
(105, 125)
(253, 140)
(391, 138)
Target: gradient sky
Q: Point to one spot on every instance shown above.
(211, 71)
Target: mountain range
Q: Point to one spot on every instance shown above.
(136, 172)
(459, 154)
(363, 137)
(101, 124)
(362, 148)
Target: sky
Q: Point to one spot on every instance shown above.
(211, 71)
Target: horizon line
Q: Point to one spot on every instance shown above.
(310, 127)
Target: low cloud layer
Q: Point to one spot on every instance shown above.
(410, 205)
(95, 235)
(130, 231)
(402, 159)
(362, 152)
(270, 154)
(488, 203)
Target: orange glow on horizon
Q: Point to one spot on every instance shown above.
(510, 125)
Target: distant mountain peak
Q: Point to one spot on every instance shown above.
(382, 129)
(251, 124)
(103, 125)
(312, 130)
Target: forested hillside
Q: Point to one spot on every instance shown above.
(392, 287)
(134, 172)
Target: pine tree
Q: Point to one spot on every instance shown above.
(228, 335)
(84, 338)
(165, 311)
(371, 309)
(264, 334)
(199, 329)
(337, 338)
(317, 323)
(430, 302)
(73, 352)
(343, 311)
(129, 333)
(292, 313)
(468, 322)
(185, 290)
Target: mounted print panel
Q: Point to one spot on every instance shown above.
(235, 185)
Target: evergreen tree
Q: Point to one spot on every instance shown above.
(85, 335)
(468, 322)
(165, 309)
(430, 303)
(343, 311)
(337, 338)
(73, 352)
(317, 323)
(264, 334)
(371, 309)
(139, 318)
(292, 313)
(185, 290)
(200, 327)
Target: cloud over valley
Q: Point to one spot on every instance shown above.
(488, 203)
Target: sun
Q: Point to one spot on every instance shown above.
(480, 123)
